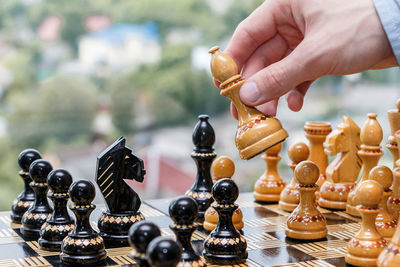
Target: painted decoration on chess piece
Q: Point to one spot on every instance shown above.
(290, 198)
(225, 245)
(115, 165)
(343, 171)
(57, 227)
(269, 186)
(364, 248)
(40, 211)
(370, 153)
(27, 197)
(203, 154)
(83, 245)
(222, 167)
(256, 132)
(306, 222)
(316, 132)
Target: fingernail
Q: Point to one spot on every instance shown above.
(249, 92)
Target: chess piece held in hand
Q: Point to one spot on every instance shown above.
(306, 222)
(343, 171)
(269, 186)
(256, 132)
(222, 167)
(364, 248)
(289, 198)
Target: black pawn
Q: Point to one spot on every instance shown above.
(203, 154)
(163, 252)
(40, 211)
(83, 245)
(139, 237)
(57, 227)
(225, 245)
(183, 211)
(26, 198)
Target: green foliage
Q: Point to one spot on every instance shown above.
(11, 184)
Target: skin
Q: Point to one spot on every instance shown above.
(284, 45)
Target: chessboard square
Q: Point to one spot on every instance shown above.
(123, 260)
(35, 246)
(148, 211)
(258, 212)
(334, 218)
(160, 221)
(275, 208)
(312, 263)
(281, 235)
(279, 255)
(337, 262)
(16, 251)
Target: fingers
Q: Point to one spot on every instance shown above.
(252, 32)
(296, 96)
(269, 108)
(276, 79)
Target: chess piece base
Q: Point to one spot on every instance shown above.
(358, 261)
(331, 204)
(287, 206)
(225, 259)
(262, 145)
(353, 211)
(334, 195)
(15, 218)
(30, 233)
(73, 260)
(267, 198)
(304, 235)
(18, 209)
(389, 257)
(50, 245)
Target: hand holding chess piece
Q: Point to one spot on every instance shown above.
(306, 221)
(256, 132)
(364, 248)
(269, 186)
(222, 167)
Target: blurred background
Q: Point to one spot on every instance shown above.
(76, 75)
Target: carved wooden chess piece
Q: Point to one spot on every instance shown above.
(203, 154)
(316, 132)
(394, 122)
(390, 256)
(364, 248)
(83, 245)
(384, 222)
(290, 198)
(394, 199)
(115, 166)
(222, 167)
(225, 245)
(140, 235)
(57, 227)
(306, 221)
(163, 252)
(27, 197)
(343, 171)
(370, 153)
(183, 211)
(40, 211)
(269, 186)
(256, 132)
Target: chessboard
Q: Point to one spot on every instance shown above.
(264, 230)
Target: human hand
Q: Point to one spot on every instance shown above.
(284, 45)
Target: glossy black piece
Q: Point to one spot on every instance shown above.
(57, 227)
(140, 236)
(83, 245)
(203, 154)
(40, 211)
(115, 164)
(183, 211)
(163, 252)
(225, 245)
(26, 198)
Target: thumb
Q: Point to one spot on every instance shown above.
(276, 79)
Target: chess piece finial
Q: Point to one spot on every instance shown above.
(343, 171)
(26, 198)
(83, 245)
(57, 227)
(222, 167)
(316, 133)
(183, 211)
(289, 198)
(370, 152)
(139, 237)
(225, 245)
(256, 132)
(384, 222)
(306, 222)
(163, 252)
(364, 248)
(40, 211)
(269, 186)
(203, 154)
(116, 166)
